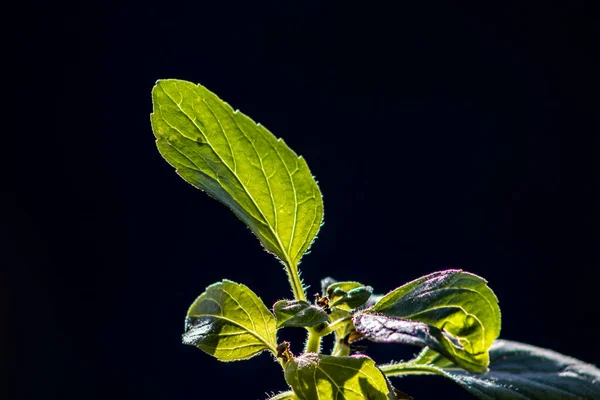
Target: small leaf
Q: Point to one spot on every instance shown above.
(318, 377)
(241, 164)
(458, 303)
(229, 322)
(329, 281)
(525, 372)
(298, 313)
(341, 346)
(348, 295)
(384, 329)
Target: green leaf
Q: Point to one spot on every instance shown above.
(229, 322)
(459, 303)
(328, 281)
(241, 164)
(321, 377)
(517, 372)
(298, 313)
(429, 356)
(384, 329)
(343, 330)
(348, 295)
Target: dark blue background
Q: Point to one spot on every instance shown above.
(445, 134)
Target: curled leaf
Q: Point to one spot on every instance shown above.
(348, 295)
(457, 302)
(384, 329)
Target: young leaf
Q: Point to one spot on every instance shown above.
(341, 346)
(298, 313)
(229, 322)
(241, 164)
(459, 303)
(317, 377)
(517, 371)
(384, 329)
(329, 281)
(348, 295)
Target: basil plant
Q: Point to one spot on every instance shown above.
(452, 315)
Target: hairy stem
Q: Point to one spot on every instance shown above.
(335, 325)
(340, 349)
(409, 369)
(283, 396)
(313, 342)
(294, 279)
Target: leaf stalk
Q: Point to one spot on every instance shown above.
(313, 342)
(295, 281)
(408, 368)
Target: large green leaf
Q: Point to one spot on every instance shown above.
(297, 313)
(320, 377)
(517, 372)
(240, 163)
(230, 322)
(459, 303)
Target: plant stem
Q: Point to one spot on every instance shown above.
(409, 369)
(284, 396)
(340, 350)
(295, 282)
(333, 326)
(313, 342)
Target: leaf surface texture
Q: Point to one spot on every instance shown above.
(230, 322)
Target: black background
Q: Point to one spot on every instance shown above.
(442, 134)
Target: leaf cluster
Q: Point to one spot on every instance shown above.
(452, 315)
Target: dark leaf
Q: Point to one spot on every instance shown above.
(298, 313)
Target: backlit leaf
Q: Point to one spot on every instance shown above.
(459, 303)
(348, 295)
(321, 377)
(230, 322)
(241, 164)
